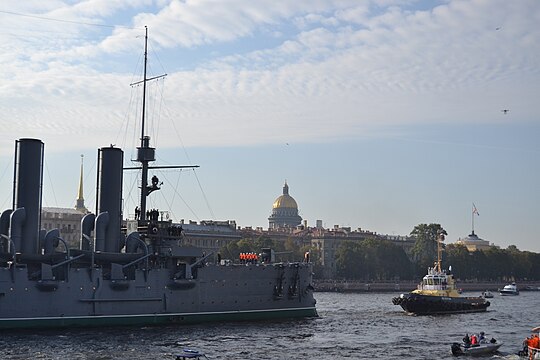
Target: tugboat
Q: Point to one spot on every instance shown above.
(437, 294)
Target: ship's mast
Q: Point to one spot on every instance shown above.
(145, 153)
(440, 238)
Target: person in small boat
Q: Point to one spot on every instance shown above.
(474, 340)
(467, 340)
(481, 338)
(534, 342)
(530, 342)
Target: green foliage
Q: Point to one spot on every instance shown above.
(493, 264)
(372, 259)
(425, 246)
(457, 256)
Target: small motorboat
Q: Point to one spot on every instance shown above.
(487, 294)
(482, 348)
(190, 354)
(510, 289)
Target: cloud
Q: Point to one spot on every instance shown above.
(336, 69)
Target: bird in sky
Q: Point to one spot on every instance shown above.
(505, 111)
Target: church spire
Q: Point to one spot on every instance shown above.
(285, 188)
(79, 206)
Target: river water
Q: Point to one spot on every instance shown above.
(354, 326)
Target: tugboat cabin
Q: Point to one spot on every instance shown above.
(434, 281)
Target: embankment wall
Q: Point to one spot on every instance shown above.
(405, 286)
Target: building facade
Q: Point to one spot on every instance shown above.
(66, 220)
(473, 242)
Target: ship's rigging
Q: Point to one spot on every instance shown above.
(146, 153)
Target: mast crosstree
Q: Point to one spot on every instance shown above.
(145, 153)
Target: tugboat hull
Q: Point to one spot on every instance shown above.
(427, 304)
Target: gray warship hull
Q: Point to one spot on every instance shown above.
(144, 277)
(220, 293)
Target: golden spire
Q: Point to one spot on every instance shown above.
(80, 199)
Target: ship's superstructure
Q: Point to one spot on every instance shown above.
(115, 277)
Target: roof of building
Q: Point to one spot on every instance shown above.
(60, 210)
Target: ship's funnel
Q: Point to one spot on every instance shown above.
(109, 194)
(27, 188)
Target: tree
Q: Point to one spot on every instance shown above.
(459, 258)
(425, 246)
(372, 259)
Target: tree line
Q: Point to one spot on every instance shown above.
(382, 260)
(374, 259)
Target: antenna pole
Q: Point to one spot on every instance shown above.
(145, 153)
(144, 82)
(472, 219)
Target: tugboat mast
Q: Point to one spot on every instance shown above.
(440, 238)
(145, 153)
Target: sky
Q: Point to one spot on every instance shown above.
(380, 115)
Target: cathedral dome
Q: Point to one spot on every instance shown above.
(284, 211)
(285, 200)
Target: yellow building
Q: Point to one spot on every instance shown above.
(473, 242)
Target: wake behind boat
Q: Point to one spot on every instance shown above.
(437, 294)
(190, 354)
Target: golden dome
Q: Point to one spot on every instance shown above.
(285, 200)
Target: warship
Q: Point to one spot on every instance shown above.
(146, 276)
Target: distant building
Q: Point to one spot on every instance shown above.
(284, 211)
(328, 241)
(67, 221)
(473, 242)
(210, 235)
